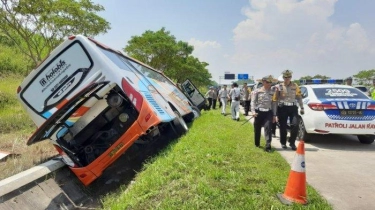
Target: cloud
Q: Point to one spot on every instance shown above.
(201, 45)
(212, 53)
(207, 51)
(356, 38)
(298, 35)
(290, 34)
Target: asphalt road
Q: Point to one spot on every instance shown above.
(340, 168)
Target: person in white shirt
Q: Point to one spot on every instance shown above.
(262, 110)
(235, 105)
(223, 96)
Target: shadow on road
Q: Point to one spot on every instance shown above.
(306, 149)
(332, 142)
(339, 142)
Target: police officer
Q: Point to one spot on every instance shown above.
(245, 94)
(218, 98)
(285, 106)
(274, 124)
(211, 95)
(234, 94)
(261, 109)
(223, 96)
(229, 97)
(214, 98)
(349, 81)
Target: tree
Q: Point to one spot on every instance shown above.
(365, 77)
(191, 68)
(161, 51)
(5, 40)
(36, 27)
(317, 76)
(157, 49)
(306, 77)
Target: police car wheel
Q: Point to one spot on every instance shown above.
(366, 139)
(302, 134)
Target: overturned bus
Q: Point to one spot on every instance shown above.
(93, 102)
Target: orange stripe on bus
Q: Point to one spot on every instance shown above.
(60, 105)
(81, 111)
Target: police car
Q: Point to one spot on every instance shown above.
(332, 108)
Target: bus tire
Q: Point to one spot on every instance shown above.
(196, 111)
(179, 126)
(193, 115)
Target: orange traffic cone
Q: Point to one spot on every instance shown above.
(295, 190)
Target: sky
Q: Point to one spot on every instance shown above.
(334, 38)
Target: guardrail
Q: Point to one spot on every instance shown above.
(25, 177)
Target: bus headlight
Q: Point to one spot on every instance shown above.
(123, 117)
(114, 100)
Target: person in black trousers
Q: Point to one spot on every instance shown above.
(274, 124)
(261, 109)
(210, 95)
(218, 98)
(285, 106)
(214, 98)
(246, 98)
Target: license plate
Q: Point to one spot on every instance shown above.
(351, 112)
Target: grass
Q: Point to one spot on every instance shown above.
(15, 128)
(214, 166)
(12, 115)
(23, 157)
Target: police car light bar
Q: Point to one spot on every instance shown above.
(321, 81)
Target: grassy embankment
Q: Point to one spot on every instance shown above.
(15, 128)
(214, 166)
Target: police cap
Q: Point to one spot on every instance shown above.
(287, 73)
(268, 79)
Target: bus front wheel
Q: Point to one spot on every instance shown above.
(179, 126)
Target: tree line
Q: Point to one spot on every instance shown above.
(31, 29)
(363, 77)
